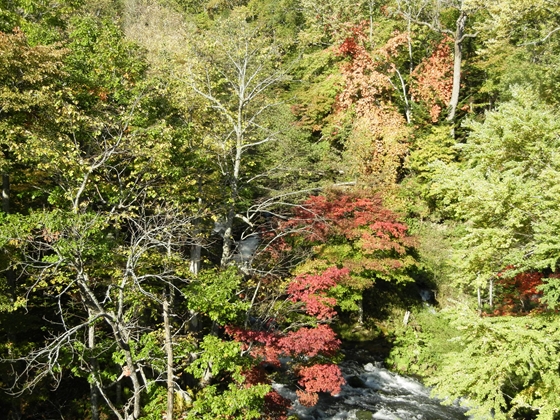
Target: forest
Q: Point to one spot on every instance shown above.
(201, 198)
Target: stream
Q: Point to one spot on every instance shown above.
(373, 392)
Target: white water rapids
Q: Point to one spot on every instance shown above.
(373, 392)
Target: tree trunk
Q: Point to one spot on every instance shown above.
(10, 274)
(361, 312)
(129, 369)
(227, 247)
(167, 302)
(196, 252)
(6, 193)
(94, 393)
(135, 383)
(196, 248)
(118, 393)
(479, 298)
(406, 318)
(457, 61)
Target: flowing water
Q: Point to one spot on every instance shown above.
(373, 392)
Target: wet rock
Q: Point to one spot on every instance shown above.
(370, 367)
(355, 382)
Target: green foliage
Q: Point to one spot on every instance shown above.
(238, 403)
(317, 94)
(103, 59)
(504, 365)
(281, 16)
(214, 294)
(503, 190)
(42, 21)
(156, 404)
(218, 357)
(421, 346)
(520, 40)
(434, 146)
(551, 292)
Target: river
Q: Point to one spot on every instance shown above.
(373, 392)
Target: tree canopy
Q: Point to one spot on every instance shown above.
(201, 198)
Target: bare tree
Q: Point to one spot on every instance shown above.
(94, 256)
(235, 70)
(107, 301)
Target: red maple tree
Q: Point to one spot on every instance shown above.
(302, 345)
(365, 221)
(312, 290)
(383, 243)
(519, 294)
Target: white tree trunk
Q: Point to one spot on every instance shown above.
(6, 193)
(94, 393)
(457, 62)
(167, 302)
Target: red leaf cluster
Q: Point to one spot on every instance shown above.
(276, 406)
(310, 342)
(321, 378)
(311, 290)
(307, 399)
(355, 218)
(349, 47)
(270, 346)
(365, 77)
(518, 294)
(353, 44)
(304, 343)
(254, 376)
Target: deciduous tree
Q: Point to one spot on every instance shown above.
(434, 15)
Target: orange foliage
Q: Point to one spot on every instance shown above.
(377, 143)
(307, 399)
(519, 294)
(434, 79)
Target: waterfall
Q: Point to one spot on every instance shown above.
(373, 392)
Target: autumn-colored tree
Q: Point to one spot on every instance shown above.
(520, 293)
(356, 241)
(309, 349)
(378, 141)
(434, 79)
(376, 232)
(353, 233)
(433, 15)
